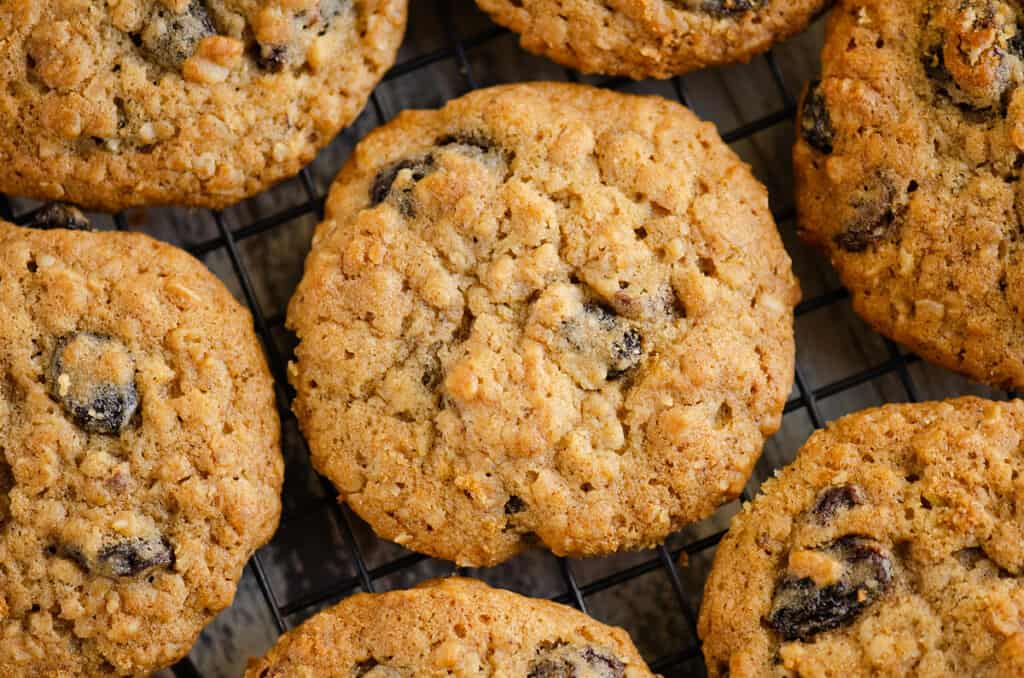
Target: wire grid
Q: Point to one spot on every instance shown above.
(665, 558)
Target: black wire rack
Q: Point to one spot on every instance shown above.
(226, 239)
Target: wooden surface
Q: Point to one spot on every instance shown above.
(309, 552)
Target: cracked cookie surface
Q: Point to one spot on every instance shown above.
(892, 546)
(139, 458)
(547, 313)
(908, 173)
(651, 38)
(193, 102)
(448, 627)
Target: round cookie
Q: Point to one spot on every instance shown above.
(140, 465)
(196, 102)
(651, 38)
(892, 546)
(908, 172)
(545, 312)
(451, 627)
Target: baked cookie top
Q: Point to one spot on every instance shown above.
(544, 312)
(194, 102)
(892, 546)
(140, 465)
(908, 168)
(651, 38)
(448, 627)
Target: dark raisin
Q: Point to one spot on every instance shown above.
(837, 498)
(626, 353)
(272, 57)
(125, 558)
(1015, 45)
(815, 123)
(93, 377)
(432, 373)
(169, 39)
(977, 83)
(619, 343)
(602, 338)
(552, 668)
(371, 668)
(729, 8)
(364, 667)
(934, 64)
(875, 217)
(385, 179)
(514, 505)
(59, 215)
(134, 556)
(604, 664)
(801, 609)
(561, 660)
(472, 138)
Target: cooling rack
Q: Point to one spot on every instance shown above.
(323, 552)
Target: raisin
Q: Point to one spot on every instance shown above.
(472, 138)
(124, 558)
(604, 664)
(801, 609)
(837, 498)
(966, 66)
(384, 182)
(875, 219)
(371, 668)
(432, 373)
(815, 123)
(561, 660)
(93, 377)
(514, 505)
(934, 64)
(58, 215)
(729, 8)
(551, 668)
(1015, 45)
(134, 556)
(169, 39)
(6, 485)
(608, 337)
(626, 353)
(272, 57)
(720, 9)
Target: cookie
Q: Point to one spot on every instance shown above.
(140, 465)
(892, 546)
(908, 173)
(651, 38)
(193, 102)
(446, 627)
(544, 313)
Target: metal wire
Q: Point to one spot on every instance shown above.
(365, 577)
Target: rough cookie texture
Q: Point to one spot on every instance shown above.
(139, 461)
(651, 38)
(451, 627)
(197, 102)
(916, 568)
(908, 173)
(546, 312)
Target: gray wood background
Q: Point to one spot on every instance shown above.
(309, 552)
